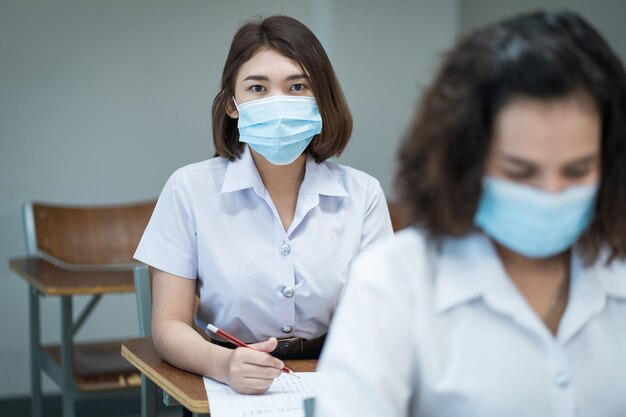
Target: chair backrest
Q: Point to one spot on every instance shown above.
(85, 235)
(400, 215)
(143, 294)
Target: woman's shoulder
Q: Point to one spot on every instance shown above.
(206, 166)
(340, 170)
(209, 172)
(407, 250)
(612, 273)
(354, 181)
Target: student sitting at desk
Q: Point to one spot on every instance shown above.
(508, 296)
(265, 231)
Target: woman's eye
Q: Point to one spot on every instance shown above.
(298, 87)
(257, 88)
(577, 173)
(518, 175)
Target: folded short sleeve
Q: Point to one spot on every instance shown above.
(169, 242)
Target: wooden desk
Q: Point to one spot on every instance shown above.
(82, 369)
(187, 388)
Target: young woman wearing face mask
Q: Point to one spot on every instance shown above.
(508, 296)
(264, 232)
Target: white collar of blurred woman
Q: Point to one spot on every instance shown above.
(455, 284)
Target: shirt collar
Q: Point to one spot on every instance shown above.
(463, 267)
(591, 287)
(242, 174)
(613, 277)
(469, 268)
(318, 178)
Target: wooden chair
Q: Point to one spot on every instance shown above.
(79, 251)
(172, 379)
(143, 294)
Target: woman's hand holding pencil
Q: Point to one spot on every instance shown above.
(250, 369)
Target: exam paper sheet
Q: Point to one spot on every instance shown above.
(284, 398)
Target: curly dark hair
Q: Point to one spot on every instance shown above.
(544, 55)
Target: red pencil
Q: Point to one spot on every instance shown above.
(232, 339)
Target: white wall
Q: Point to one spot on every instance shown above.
(101, 100)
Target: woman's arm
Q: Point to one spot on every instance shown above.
(377, 222)
(246, 370)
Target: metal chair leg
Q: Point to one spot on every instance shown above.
(67, 366)
(36, 406)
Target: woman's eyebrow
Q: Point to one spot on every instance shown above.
(266, 78)
(256, 78)
(583, 160)
(579, 161)
(516, 160)
(296, 77)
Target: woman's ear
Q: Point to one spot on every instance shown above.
(231, 110)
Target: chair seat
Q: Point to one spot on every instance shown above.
(51, 279)
(98, 366)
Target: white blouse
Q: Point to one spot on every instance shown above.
(216, 222)
(422, 332)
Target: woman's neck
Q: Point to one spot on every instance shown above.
(515, 261)
(544, 283)
(281, 181)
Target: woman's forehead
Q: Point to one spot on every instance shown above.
(564, 127)
(269, 63)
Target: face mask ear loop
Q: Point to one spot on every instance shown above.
(235, 101)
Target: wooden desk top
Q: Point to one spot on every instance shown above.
(187, 388)
(50, 279)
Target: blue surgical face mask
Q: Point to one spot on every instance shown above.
(279, 127)
(533, 222)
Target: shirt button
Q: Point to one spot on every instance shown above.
(562, 380)
(288, 292)
(287, 329)
(285, 249)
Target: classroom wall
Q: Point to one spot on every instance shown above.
(101, 100)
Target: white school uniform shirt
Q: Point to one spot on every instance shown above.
(432, 333)
(216, 222)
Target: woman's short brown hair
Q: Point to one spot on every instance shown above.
(543, 55)
(295, 41)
